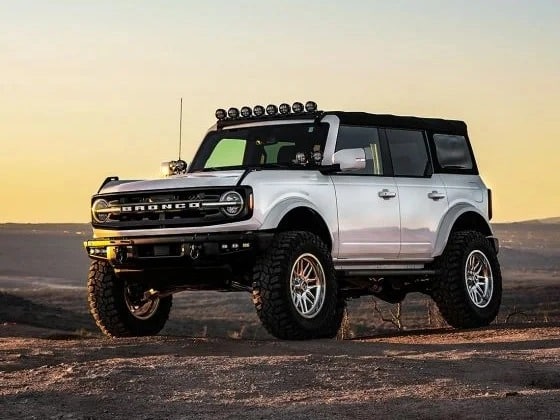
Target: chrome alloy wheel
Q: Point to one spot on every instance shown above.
(143, 311)
(307, 285)
(479, 279)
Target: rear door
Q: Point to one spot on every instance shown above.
(422, 194)
(367, 201)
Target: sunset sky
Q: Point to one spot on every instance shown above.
(90, 89)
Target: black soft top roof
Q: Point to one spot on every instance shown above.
(437, 125)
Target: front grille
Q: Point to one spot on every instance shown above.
(167, 209)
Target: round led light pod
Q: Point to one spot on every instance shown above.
(221, 114)
(258, 110)
(310, 106)
(97, 210)
(284, 109)
(297, 107)
(233, 113)
(246, 112)
(300, 158)
(272, 109)
(236, 201)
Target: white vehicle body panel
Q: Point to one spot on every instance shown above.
(369, 225)
(420, 215)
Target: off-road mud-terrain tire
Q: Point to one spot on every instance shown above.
(449, 288)
(272, 291)
(107, 304)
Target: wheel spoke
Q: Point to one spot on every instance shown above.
(472, 295)
(299, 268)
(308, 270)
(312, 280)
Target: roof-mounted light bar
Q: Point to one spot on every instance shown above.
(270, 110)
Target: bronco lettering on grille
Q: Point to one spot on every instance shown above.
(160, 207)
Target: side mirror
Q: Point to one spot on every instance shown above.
(350, 159)
(174, 167)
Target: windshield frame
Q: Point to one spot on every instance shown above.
(198, 166)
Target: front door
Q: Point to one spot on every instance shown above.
(367, 201)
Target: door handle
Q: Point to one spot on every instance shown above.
(435, 195)
(386, 194)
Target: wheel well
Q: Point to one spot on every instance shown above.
(472, 221)
(306, 219)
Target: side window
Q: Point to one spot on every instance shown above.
(408, 152)
(228, 152)
(367, 138)
(453, 152)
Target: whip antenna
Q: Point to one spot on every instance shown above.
(180, 126)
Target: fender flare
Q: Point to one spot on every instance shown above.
(448, 221)
(283, 206)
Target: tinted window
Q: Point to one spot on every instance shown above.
(367, 138)
(408, 152)
(453, 151)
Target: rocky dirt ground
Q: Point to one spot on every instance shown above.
(497, 372)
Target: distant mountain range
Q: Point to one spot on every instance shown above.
(547, 221)
(46, 227)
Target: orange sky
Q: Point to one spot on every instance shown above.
(91, 89)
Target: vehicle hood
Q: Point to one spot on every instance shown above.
(194, 180)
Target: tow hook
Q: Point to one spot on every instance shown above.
(120, 254)
(194, 252)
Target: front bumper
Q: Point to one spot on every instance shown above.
(201, 249)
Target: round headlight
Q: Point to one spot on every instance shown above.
(236, 201)
(221, 114)
(97, 210)
(246, 112)
(284, 109)
(271, 109)
(297, 107)
(310, 106)
(233, 113)
(258, 111)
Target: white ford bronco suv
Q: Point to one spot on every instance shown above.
(304, 209)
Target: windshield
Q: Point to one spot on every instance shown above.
(267, 146)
